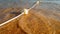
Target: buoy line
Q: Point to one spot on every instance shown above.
(27, 10)
(18, 15)
(11, 19)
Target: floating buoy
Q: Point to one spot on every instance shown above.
(37, 2)
(26, 11)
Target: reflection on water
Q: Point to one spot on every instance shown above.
(18, 3)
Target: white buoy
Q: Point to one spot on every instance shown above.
(37, 2)
(26, 11)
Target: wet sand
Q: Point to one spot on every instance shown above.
(9, 13)
(40, 22)
(44, 19)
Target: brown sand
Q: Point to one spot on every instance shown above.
(9, 13)
(45, 20)
(38, 22)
